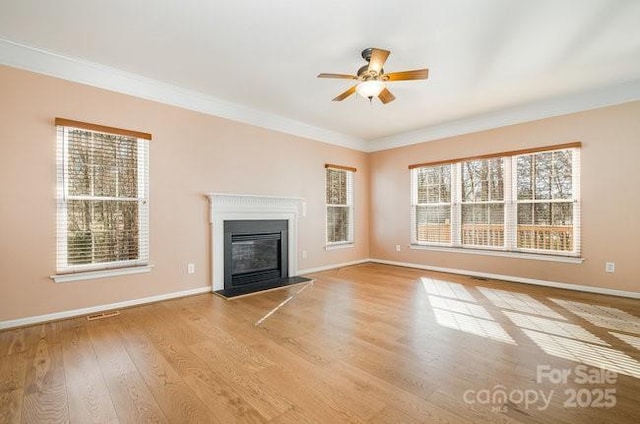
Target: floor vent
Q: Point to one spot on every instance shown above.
(479, 278)
(103, 315)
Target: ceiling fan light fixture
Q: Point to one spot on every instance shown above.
(369, 89)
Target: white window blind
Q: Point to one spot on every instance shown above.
(432, 204)
(547, 207)
(339, 204)
(103, 197)
(523, 201)
(483, 202)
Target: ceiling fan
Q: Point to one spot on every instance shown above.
(372, 79)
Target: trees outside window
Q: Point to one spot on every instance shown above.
(102, 200)
(339, 204)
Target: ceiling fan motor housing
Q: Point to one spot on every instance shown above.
(365, 74)
(366, 53)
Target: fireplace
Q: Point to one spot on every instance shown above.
(255, 253)
(227, 208)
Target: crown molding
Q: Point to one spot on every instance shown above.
(548, 108)
(81, 71)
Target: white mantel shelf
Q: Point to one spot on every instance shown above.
(253, 203)
(228, 207)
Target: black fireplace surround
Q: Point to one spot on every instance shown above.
(255, 254)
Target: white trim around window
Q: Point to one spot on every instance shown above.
(102, 201)
(339, 209)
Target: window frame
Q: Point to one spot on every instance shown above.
(510, 241)
(460, 200)
(574, 200)
(349, 205)
(71, 272)
(415, 204)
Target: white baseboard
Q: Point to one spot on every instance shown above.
(554, 284)
(333, 266)
(21, 322)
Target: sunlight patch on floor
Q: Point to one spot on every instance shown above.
(602, 316)
(519, 302)
(556, 328)
(446, 289)
(466, 308)
(586, 353)
(472, 325)
(455, 308)
(632, 340)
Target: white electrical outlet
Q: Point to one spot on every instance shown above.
(191, 268)
(397, 247)
(610, 267)
(304, 254)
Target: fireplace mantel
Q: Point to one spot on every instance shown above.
(227, 207)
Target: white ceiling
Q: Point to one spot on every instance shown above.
(486, 57)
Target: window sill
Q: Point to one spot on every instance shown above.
(518, 255)
(339, 246)
(103, 273)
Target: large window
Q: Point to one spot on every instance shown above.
(102, 197)
(339, 203)
(525, 201)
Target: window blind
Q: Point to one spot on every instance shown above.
(339, 204)
(432, 211)
(103, 198)
(483, 202)
(546, 202)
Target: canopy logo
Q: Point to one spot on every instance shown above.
(499, 396)
(585, 395)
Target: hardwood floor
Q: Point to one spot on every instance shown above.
(365, 344)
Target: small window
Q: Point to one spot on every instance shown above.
(103, 197)
(339, 198)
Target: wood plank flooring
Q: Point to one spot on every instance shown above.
(364, 344)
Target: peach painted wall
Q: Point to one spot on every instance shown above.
(610, 197)
(191, 154)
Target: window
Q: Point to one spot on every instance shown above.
(339, 197)
(103, 191)
(433, 207)
(526, 201)
(482, 203)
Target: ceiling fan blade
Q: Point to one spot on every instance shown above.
(345, 94)
(378, 57)
(340, 76)
(385, 96)
(407, 75)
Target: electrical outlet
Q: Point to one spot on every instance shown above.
(191, 268)
(304, 254)
(610, 267)
(397, 247)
